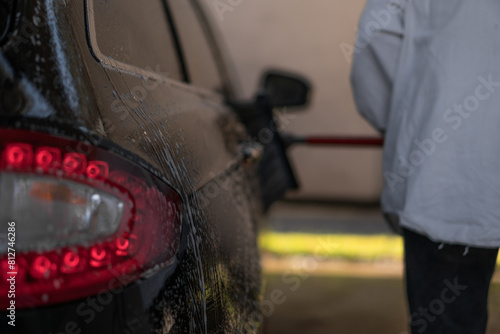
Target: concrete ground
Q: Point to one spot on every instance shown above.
(342, 303)
(326, 218)
(303, 295)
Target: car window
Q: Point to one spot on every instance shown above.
(136, 33)
(202, 66)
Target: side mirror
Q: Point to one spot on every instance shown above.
(276, 90)
(285, 90)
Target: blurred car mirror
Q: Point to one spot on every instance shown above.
(284, 89)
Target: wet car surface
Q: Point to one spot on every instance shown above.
(134, 174)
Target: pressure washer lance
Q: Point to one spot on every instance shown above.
(289, 140)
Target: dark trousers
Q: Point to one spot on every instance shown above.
(447, 285)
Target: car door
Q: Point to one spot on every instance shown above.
(183, 127)
(231, 198)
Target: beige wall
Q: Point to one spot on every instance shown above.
(305, 36)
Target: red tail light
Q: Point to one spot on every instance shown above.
(86, 219)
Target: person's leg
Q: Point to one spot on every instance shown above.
(447, 285)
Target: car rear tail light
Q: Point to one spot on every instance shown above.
(87, 220)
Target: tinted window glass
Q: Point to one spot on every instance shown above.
(136, 33)
(201, 64)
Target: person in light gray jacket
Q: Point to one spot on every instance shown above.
(426, 74)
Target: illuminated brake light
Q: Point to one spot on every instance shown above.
(42, 267)
(126, 246)
(74, 163)
(18, 155)
(99, 256)
(97, 170)
(48, 157)
(72, 262)
(81, 219)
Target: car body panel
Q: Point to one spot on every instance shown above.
(52, 81)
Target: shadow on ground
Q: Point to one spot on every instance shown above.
(346, 305)
(324, 297)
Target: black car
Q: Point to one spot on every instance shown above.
(132, 175)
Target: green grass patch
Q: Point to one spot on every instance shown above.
(335, 246)
(340, 246)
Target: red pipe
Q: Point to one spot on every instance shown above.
(344, 141)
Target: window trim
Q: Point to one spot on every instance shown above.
(220, 61)
(177, 42)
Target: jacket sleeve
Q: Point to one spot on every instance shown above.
(376, 53)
